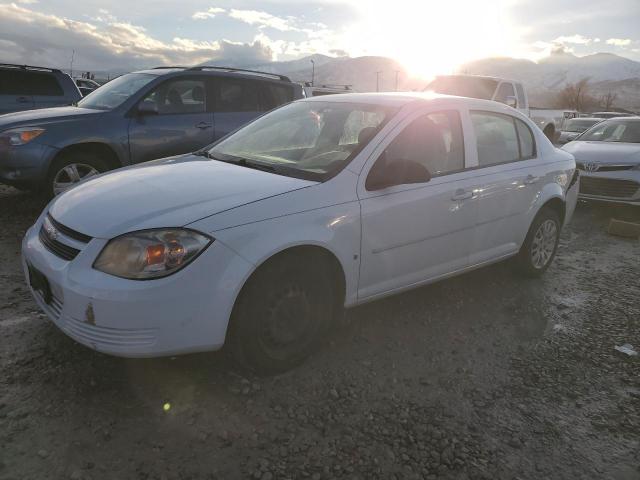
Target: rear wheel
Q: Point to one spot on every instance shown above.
(540, 245)
(282, 313)
(71, 169)
(550, 133)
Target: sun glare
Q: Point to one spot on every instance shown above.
(430, 37)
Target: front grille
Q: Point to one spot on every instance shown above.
(608, 187)
(81, 237)
(57, 248)
(606, 168)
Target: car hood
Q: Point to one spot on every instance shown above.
(44, 115)
(171, 192)
(604, 152)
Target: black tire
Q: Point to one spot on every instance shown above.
(283, 312)
(531, 261)
(550, 133)
(85, 159)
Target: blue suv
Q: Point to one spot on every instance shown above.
(134, 118)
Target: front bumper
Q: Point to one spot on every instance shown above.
(185, 312)
(614, 186)
(25, 165)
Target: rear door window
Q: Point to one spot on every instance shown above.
(20, 82)
(496, 138)
(237, 95)
(275, 95)
(501, 138)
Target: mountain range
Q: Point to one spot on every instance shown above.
(607, 73)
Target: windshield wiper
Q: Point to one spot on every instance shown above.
(243, 162)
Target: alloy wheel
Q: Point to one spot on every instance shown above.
(71, 174)
(544, 244)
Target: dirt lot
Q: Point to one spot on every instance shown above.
(484, 376)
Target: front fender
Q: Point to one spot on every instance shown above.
(109, 131)
(335, 228)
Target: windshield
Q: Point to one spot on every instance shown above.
(312, 140)
(623, 131)
(116, 92)
(577, 125)
(482, 88)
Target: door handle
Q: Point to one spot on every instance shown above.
(203, 125)
(461, 194)
(531, 179)
(22, 100)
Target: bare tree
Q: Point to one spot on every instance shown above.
(608, 100)
(576, 96)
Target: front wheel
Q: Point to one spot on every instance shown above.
(71, 169)
(281, 314)
(540, 245)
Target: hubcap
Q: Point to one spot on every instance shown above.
(70, 175)
(288, 325)
(544, 243)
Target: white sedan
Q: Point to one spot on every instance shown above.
(262, 238)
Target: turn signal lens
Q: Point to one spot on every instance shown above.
(151, 253)
(20, 136)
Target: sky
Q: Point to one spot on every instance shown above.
(426, 36)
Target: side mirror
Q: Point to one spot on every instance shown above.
(511, 101)
(385, 173)
(147, 108)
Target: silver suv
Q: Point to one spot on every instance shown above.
(24, 88)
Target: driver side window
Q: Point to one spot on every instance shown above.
(179, 96)
(433, 141)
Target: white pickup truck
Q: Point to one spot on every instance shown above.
(505, 91)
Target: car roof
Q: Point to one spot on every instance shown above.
(30, 68)
(399, 99)
(630, 119)
(595, 119)
(217, 70)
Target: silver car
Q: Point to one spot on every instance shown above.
(573, 127)
(608, 157)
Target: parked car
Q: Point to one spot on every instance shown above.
(23, 87)
(86, 85)
(610, 114)
(311, 90)
(329, 202)
(608, 156)
(134, 118)
(505, 91)
(574, 127)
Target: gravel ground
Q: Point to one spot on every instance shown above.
(484, 376)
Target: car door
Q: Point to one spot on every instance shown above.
(14, 95)
(177, 120)
(237, 103)
(417, 232)
(508, 182)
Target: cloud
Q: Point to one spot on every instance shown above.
(29, 36)
(575, 39)
(619, 42)
(209, 13)
(264, 19)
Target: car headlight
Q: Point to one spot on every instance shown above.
(151, 254)
(20, 136)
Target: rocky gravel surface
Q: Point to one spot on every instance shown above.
(483, 376)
